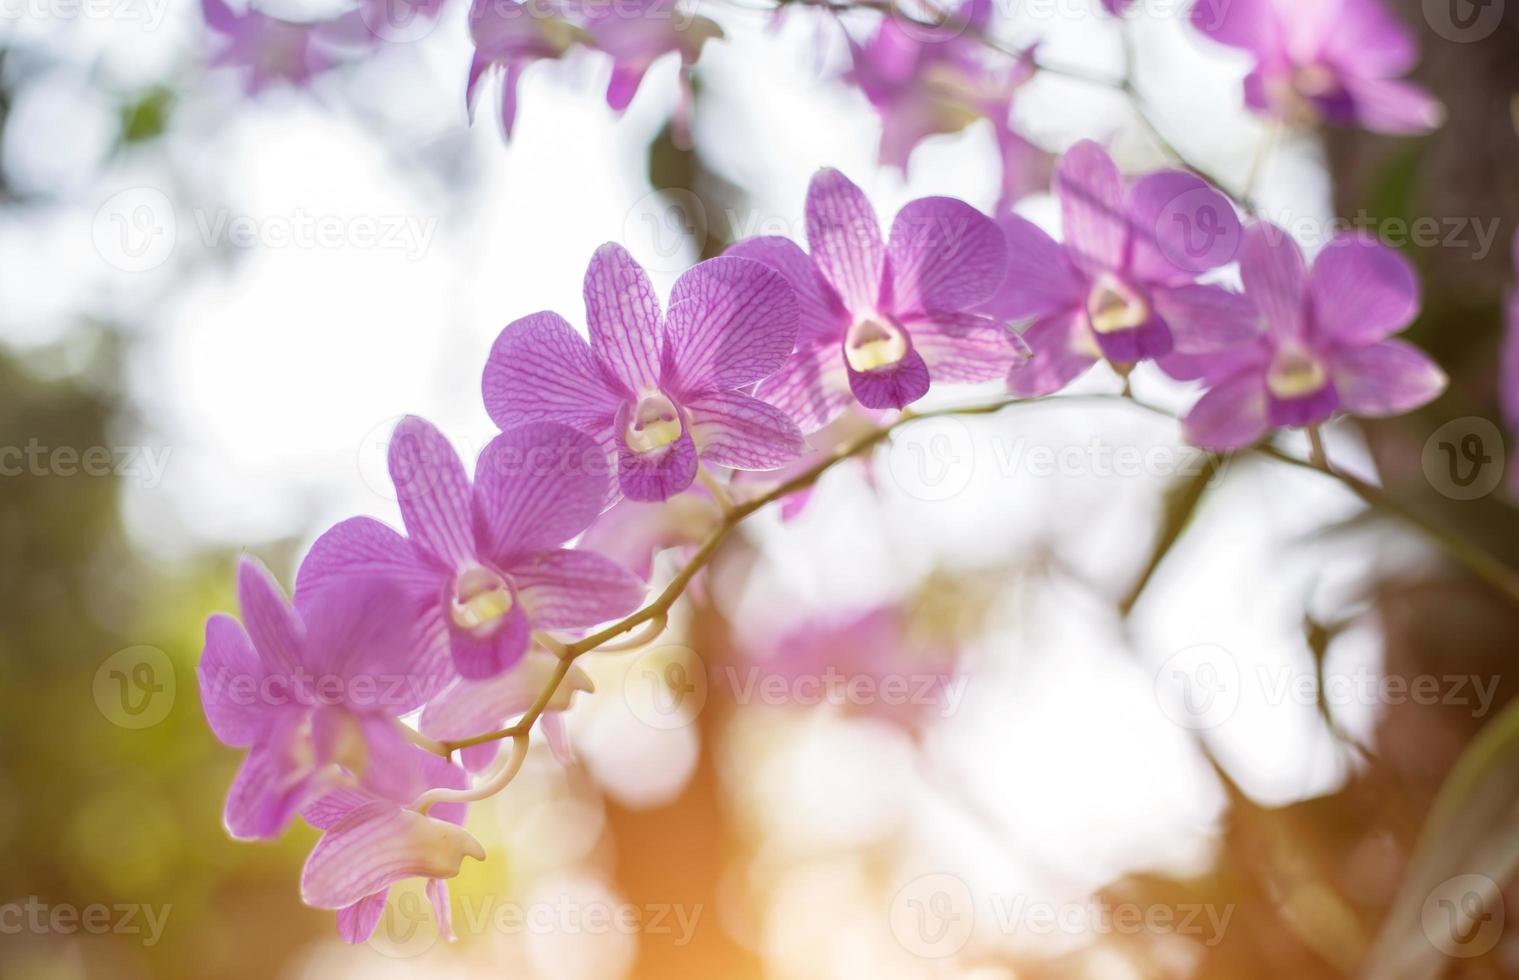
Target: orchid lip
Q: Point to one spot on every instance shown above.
(874, 343)
(1295, 373)
(481, 600)
(1113, 306)
(654, 425)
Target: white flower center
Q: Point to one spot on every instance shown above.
(481, 598)
(1294, 373)
(1112, 306)
(874, 344)
(655, 423)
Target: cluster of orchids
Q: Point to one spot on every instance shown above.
(375, 703)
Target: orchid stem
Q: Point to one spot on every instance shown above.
(656, 613)
(486, 788)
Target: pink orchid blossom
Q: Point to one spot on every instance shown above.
(1123, 284)
(482, 565)
(1325, 347)
(1340, 61)
(269, 50)
(313, 692)
(660, 391)
(878, 318)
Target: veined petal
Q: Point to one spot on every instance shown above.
(433, 492)
(894, 387)
(540, 369)
(1040, 280)
(623, 315)
(1231, 415)
(363, 546)
(479, 657)
(276, 631)
(732, 322)
(567, 589)
(820, 311)
(357, 922)
(1386, 378)
(271, 785)
(964, 347)
(365, 628)
(658, 475)
(845, 239)
(812, 386)
(537, 486)
(1063, 349)
(1205, 319)
(1275, 277)
(737, 430)
(378, 845)
(943, 256)
(229, 673)
(1362, 291)
(1092, 208)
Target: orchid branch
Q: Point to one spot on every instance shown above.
(1474, 559)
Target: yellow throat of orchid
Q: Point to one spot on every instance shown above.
(654, 425)
(481, 599)
(873, 343)
(1112, 306)
(1294, 373)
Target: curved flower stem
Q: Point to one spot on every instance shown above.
(1486, 567)
(488, 787)
(650, 632)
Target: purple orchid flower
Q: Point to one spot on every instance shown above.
(660, 392)
(1117, 7)
(1334, 60)
(878, 318)
(483, 567)
(313, 693)
(270, 50)
(508, 36)
(370, 843)
(923, 85)
(1325, 346)
(1122, 286)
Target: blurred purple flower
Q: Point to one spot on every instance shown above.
(1325, 346)
(482, 566)
(637, 33)
(658, 391)
(1122, 285)
(1117, 7)
(923, 84)
(874, 663)
(268, 49)
(1334, 60)
(313, 693)
(508, 36)
(878, 317)
(632, 532)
